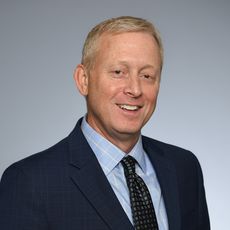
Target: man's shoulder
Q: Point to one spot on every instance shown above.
(54, 156)
(43, 161)
(167, 150)
(183, 161)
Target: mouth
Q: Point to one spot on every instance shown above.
(129, 107)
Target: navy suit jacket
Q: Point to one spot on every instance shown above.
(64, 188)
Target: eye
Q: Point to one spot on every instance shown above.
(146, 76)
(118, 72)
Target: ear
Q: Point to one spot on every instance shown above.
(81, 79)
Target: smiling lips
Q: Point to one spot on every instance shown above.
(129, 107)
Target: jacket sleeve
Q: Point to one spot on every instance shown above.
(203, 221)
(20, 203)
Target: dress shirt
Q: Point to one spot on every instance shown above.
(109, 157)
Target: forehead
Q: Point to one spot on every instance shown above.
(125, 37)
(132, 45)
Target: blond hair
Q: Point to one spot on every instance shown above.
(115, 26)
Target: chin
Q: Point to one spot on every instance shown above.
(131, 130)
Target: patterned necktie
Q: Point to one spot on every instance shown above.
(143, 213)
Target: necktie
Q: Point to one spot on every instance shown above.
(143, 213)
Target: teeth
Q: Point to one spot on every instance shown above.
(129, 107)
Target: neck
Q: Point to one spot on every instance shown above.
(123, 141)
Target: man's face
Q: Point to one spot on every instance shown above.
(123, 85)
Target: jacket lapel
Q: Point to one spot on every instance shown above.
(167, 178)
(88, 176)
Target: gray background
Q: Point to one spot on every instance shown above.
(40, 45)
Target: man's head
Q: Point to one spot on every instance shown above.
(115, 26)
(120, 78)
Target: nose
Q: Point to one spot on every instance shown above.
(133, 87)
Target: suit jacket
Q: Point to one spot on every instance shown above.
(64, 188)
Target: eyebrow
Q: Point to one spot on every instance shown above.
(147, 66)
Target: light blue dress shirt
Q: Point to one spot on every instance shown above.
(109, 157)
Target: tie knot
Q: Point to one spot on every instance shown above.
(129, 164)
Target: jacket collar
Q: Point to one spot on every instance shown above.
(88, 176)
(166, 174)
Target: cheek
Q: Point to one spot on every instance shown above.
(151, 95)
(101, 92)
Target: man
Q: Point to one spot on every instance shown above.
(105, 174)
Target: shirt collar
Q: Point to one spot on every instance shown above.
(108, 155)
